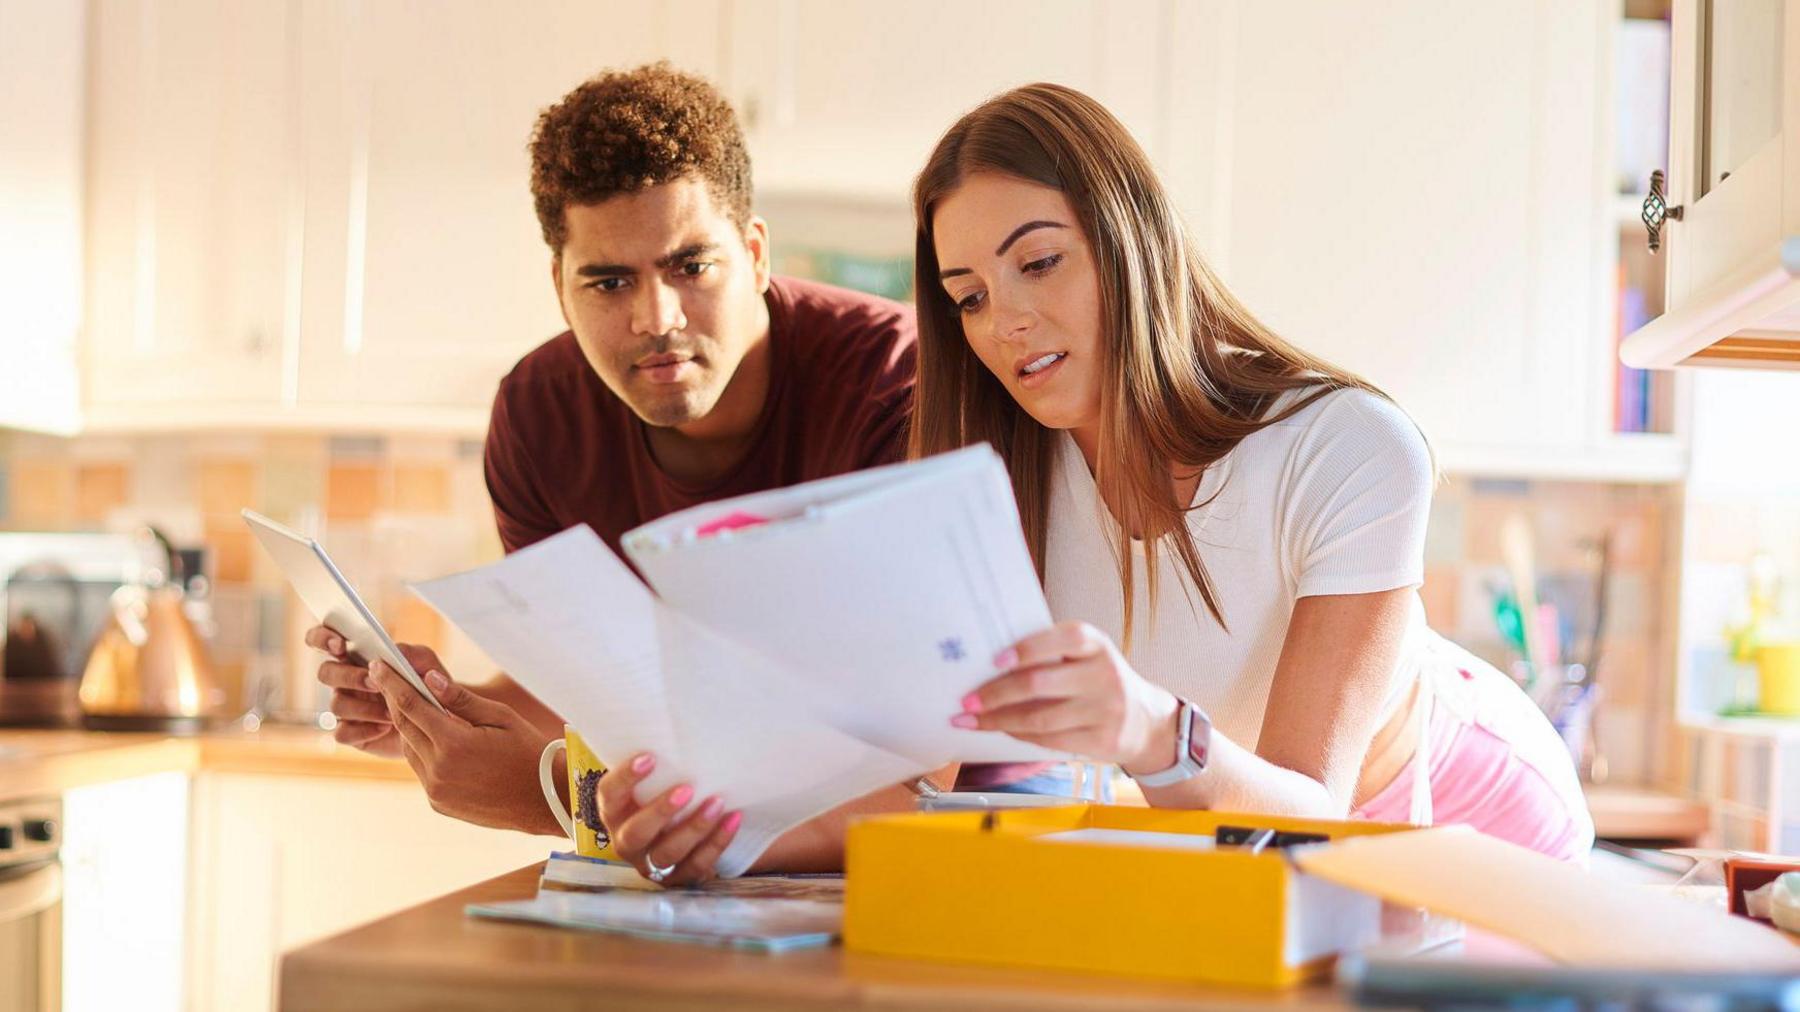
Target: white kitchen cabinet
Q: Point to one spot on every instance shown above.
(1415, 191)
(318, 214)
(280, 861)
(1420, 192)
(1733, 255)
(845, 98)
(429, 273)
(193, 210)
(124, 858)
(42, 66)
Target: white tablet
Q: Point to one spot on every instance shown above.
(330, 598)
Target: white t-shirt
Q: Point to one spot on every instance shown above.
(1333, 500)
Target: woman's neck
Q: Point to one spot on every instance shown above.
(1185, 484)
(1087, 440)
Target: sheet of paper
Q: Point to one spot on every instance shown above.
(1556, 908)
(569, 622)
(887, 593)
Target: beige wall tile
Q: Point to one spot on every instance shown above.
(233, 549)
(413, 621)
(421, 488)
(226, 486)
(1441, 594)
(100, 489)
(1482, 522)
(352, 491)
(42, 494)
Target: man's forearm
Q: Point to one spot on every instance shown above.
(502, 689)
(817, 845)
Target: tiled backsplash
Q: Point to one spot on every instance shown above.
(388, 510)
(392, 509)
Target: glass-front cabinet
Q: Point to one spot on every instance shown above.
(1727, 216)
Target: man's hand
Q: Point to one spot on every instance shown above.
(478, 762)
(657, 835)
(362, 714)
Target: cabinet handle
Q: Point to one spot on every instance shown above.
(1657, 210)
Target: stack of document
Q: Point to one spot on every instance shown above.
(803, 646)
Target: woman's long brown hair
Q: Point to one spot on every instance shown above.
(1189, 371)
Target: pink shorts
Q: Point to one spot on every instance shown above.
(1495, 765)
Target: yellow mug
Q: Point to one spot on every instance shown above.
(583, 824)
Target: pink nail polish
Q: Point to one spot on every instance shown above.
(714, 805)
(971, 703)
(643, 763)
(964, 720)
(1006, 658)
(732, 821)
(681, 796)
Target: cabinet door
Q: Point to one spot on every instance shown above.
(281, 861)
(427, 276)
(192, 197)
(42, 61)
(124, 858)
(1734, 141)
(847, 97)
(1411, 190)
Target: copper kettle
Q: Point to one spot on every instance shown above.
(150, 669)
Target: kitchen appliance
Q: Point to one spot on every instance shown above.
(55, 594)
(30, 905)
(150, 669)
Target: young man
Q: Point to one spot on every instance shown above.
(687, 374)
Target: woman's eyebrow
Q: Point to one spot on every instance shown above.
(1030, 226)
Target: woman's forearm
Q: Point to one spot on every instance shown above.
(817, 845)
(1238, 780)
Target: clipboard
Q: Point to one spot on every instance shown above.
(330, 597)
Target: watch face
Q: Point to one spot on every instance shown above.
(1199, 736)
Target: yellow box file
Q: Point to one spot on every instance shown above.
(988, 888)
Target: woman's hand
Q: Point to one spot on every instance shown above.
(1067, 688)
(652, 836)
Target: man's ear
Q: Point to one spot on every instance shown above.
(756, 240)
(556, 281)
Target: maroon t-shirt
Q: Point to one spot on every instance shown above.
(562, 449)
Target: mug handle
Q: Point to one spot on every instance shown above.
(547, 781)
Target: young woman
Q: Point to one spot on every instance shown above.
(1230, 530)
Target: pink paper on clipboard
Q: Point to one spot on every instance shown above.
(736, 520)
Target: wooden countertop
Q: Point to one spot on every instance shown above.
(49, 762)
(433, 956)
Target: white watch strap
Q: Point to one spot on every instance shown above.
(1184, 766)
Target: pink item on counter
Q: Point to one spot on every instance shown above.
(733, 521)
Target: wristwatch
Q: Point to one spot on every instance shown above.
(1193, 740)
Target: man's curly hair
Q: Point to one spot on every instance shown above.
(625, 131)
